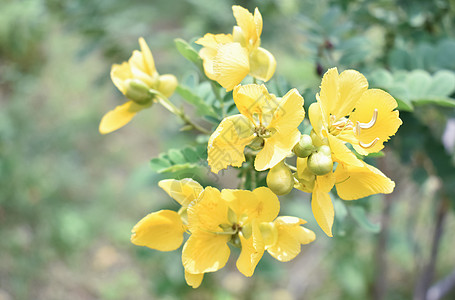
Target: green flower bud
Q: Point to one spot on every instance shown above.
(137, 91)
(304, 147)
(280, 179)
(320, 162)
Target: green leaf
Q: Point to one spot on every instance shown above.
(158, 164)
(359, 214)
(188, 52)
(418, 82)
(404, 105)
(176, 156)
(190, 97)
(447, 102)
(179, 159)
(442, 85)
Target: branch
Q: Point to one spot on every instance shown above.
(442, 287)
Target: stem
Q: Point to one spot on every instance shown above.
(178, 112)
(216, 91)
(292, 168)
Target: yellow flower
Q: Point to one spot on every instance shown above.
(244, 218)
(348, 112)
(163, 230)
(136, 79)
(264, 122)
(228, 58)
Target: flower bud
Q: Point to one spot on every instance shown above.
(320, 162)
(137, 91)
(304, 147)
(280, 179)
(167, 84)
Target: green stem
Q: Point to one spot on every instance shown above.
(291, 167)
(216, 91)
(178, 112)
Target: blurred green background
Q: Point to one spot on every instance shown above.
(70, 196)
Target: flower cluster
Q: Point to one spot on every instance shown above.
(348, 121)
(213, 218)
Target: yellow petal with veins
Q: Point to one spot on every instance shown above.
(213, 40)
(194, 280)
(386, 124)
(251, 253)
(205, 252)
(352, 85)
(330, 93)
(341, 153)
(208, 213)
(226, 144)
(253, 100)
(322, 208)
(262, 64)
(246, 22)
(162, 230)
(289, 113)
(261, 204)
(183, 191)
(290, 238)
(231, 65)
(119, 117)
(276, 148)
(358, 182)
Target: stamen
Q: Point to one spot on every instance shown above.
(369, 145)
(368, 125)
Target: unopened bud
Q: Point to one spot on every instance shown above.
(304, 147)
(137, 91)
(320, 162)
(280, 179)
(317, 140)
(168, 84)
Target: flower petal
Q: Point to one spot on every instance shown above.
(194, 280)
(330, 93)
(315, 114)
(290, 238)
(162, 230)
(213, 40)
(226, 144)
(341, 153)
(322, 209)
(261, 204)
(358, 182)
(208, 212)
(205, 252)
(119, 117)
(149, 63)
(262, 64)
(231, 65)
(276, 148)
(140, 70)
(120, 73)
(252, 251)
(386, 124)
(246, 22)
(352, 85)
(183, 191)
(289, 114)
(252, 100)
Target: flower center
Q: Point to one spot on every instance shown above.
(338, 126)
